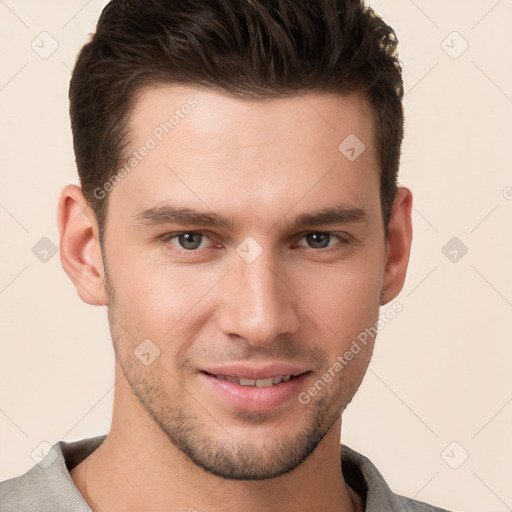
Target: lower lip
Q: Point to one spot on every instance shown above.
(251, 398)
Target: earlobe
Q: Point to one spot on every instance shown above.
(399, 242)
(80, 250)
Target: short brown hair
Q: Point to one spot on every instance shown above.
(249, 49)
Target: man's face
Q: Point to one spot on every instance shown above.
(262, 297)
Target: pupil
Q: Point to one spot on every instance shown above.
(187, 240)
(319, 240)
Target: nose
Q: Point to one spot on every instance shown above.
(257, 302)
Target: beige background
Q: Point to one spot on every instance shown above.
(441, 370)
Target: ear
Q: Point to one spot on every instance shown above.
(80, 250)
(399, 241)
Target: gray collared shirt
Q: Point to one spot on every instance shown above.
(48, 487)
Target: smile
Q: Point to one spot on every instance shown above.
(242, 391)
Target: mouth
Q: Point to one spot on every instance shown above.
(255, 390)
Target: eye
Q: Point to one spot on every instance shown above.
(188, 240)
(322, 240)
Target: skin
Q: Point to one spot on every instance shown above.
(175, 444)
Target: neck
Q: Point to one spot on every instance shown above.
(137, 468)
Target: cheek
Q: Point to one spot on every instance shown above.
(347, 298)
(348, 309)
(157, 298)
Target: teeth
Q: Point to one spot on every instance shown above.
(246, 382)
(259, 383)
(265, 383)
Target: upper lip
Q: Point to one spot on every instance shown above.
(247, 371)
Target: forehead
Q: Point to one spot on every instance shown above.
(219, 119)
(203, 148)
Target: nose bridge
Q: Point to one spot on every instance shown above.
(258, 305)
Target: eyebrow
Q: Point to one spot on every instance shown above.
(170, 214)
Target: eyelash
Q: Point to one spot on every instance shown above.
(166, 240)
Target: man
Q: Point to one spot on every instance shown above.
(239, 215)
